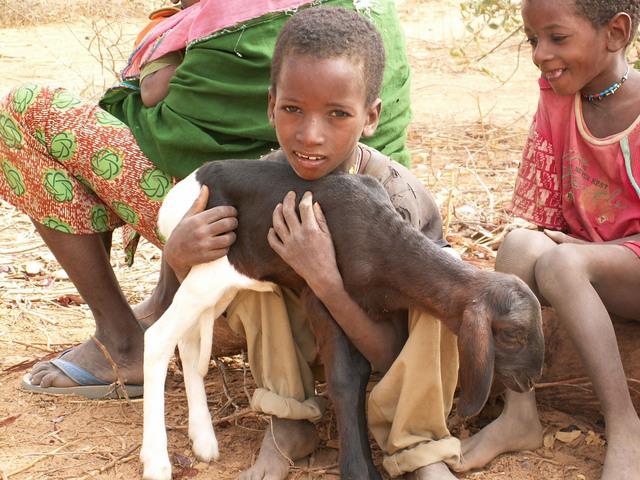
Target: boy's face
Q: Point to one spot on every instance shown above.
(319, 113)
(571, 54)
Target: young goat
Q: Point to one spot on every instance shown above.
(496, 316)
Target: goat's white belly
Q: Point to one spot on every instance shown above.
(215, 284)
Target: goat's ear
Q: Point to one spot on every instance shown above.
(475, 345)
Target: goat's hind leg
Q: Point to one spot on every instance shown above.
(195, 352)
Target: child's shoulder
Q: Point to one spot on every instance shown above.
(394, 176)
(409, 196)
(553, 105)
(387, 170)
(377, 162)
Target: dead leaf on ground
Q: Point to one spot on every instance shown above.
(568, 437)
(8, 421)
(595, 439)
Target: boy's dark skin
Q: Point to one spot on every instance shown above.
(155, 87)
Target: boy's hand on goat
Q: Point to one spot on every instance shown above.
(305, 242)
(201, 236)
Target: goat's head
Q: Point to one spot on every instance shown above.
(501, 334)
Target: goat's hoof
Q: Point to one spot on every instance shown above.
(206, 449)
(156, 467)
(157, 471)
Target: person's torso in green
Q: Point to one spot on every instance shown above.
(217, 103)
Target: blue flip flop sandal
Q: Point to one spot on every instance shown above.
(88, 385)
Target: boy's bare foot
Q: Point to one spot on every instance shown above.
(622, 461)
(517, 428)
(294, 439)
(435, 471)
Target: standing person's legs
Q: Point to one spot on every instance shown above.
(85, 258)
(77, 172)
(408, 409)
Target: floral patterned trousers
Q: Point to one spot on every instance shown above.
(75, 168)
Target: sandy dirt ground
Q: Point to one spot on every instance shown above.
(471, 118)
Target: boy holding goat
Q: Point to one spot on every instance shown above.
(326, 77)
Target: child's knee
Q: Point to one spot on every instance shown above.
(560, 268)
(519, 251)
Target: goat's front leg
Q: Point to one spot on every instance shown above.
(347, 372)
(153, 453)
(206, 285)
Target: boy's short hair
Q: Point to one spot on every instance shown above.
(599, 12)
(330, 32)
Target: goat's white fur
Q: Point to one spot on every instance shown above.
(204, 294)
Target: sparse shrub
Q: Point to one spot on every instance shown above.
(503, 16)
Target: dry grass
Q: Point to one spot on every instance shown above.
(39, 12)
(470, 170)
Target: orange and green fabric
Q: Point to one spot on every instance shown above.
(75, 168)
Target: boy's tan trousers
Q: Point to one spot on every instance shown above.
(407, 409)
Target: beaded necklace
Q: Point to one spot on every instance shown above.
(609, 91)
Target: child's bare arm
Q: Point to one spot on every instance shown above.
(155, 87)
(307, 247)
